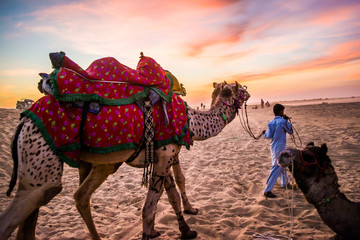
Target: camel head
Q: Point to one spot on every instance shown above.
(234, 91)
(311, 168)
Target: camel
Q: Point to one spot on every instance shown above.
(40, 171)
(317, 179)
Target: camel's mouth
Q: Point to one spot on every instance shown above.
(245, 94)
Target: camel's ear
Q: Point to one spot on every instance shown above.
(236, 86)
(225, 83)
(310, 144)
(324, 148)
(214, 84)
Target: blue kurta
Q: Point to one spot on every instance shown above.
(277, 129)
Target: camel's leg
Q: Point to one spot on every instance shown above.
(180, 182)
(174, 200)
(155, 233)
(94, 179)
(165, 158)
(39, 173)
(27, 228)
(149, 209)
(25, 203)
(84, 171)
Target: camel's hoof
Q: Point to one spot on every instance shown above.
(194, 211)
(188, 235)
(154, 234)
(145, 237)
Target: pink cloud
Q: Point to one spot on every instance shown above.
(335, 15)
(343, 53)
(231, 34)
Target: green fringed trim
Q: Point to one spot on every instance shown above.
(69, 161)
(58, 151)
(174, 139)
(94, 97)
(69, 148)
(115, 148)
(178, 139)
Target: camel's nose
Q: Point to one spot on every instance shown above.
(284, 159)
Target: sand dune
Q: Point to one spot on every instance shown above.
(225, 177)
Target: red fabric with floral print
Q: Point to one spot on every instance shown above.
(114, 128)
(113, 80)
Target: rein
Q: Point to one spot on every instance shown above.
(292, 136)
(244, 121)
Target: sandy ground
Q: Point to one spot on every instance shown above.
(225, 175)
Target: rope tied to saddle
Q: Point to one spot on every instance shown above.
(149, 143)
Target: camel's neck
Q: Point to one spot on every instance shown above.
(341, 215)
(207, 124)
(317, 189)
(333, 207)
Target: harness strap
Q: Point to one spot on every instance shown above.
(307, 163)
(84, 114)
(328, 199)
(224, 117)
(149, 143)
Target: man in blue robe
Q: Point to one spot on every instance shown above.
(277, 129)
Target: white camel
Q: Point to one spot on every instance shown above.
(40, 171)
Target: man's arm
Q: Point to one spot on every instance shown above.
(288, 128)
(269, 132)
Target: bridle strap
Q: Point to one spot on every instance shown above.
(237, 102)
(305, 163)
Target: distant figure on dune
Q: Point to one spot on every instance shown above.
(277, 129)
(262, 103)
(267, 104)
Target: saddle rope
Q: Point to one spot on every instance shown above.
(94, 80)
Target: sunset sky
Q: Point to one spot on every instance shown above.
(282, 50)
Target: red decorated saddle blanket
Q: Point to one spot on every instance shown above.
(109, 82)
(114, 128)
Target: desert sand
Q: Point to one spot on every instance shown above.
(225, 175)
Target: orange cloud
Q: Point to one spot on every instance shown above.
(341, 54)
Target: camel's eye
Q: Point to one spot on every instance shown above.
(286, 154)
